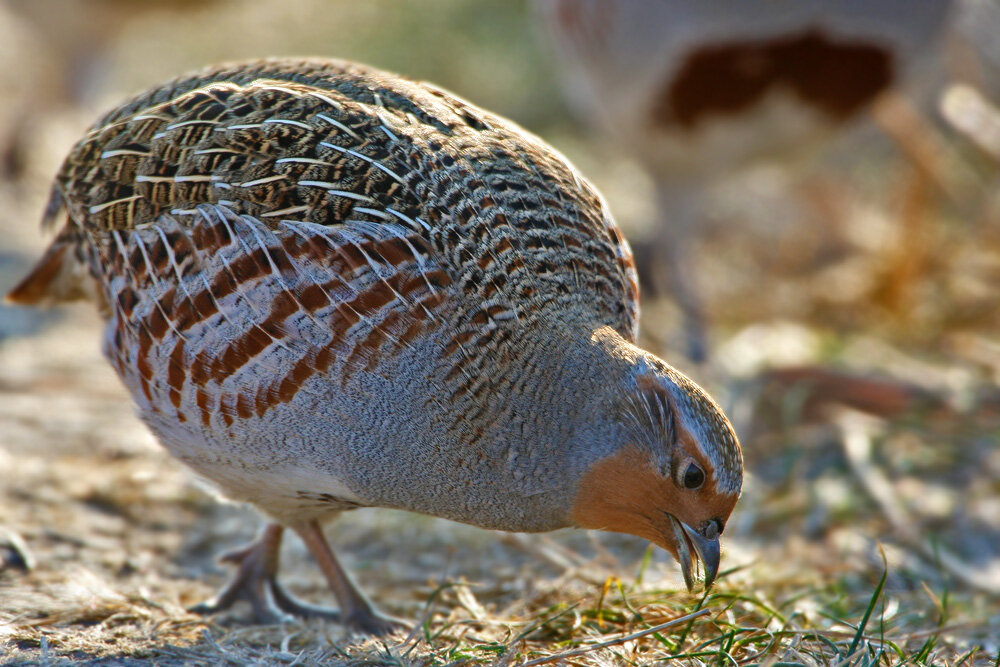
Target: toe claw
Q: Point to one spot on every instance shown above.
(288, 604)
(264, 611)
(377, 625)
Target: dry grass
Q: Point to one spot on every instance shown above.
(860, 540)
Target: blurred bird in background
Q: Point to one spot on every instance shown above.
(695, 90)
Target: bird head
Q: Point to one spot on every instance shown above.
(676, 474)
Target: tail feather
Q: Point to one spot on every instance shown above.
(59, 275)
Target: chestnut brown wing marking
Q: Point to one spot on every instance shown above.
(241, 315)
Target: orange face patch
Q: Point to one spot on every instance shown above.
(625, 493)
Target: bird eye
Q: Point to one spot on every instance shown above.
(694, 477)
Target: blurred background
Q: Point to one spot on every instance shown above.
(838, 294)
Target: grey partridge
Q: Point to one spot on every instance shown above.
(695, 89)
(329, 287)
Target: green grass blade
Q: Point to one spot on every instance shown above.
(868, 612)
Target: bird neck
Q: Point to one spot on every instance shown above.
(566, 409)
(516, 448)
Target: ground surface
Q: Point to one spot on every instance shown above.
(860, 539)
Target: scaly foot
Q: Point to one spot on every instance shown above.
(256, 582)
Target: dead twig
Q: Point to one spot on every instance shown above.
(614, 642)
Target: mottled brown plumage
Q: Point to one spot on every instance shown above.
(329, 287)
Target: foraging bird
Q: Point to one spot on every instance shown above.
(329, 287)
(694, 89)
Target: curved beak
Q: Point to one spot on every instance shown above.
(706, 550)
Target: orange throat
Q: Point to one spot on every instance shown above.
(625, 493)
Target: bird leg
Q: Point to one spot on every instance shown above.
(679, 211)
(356, 611)
(256, 582)
(685, 293)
